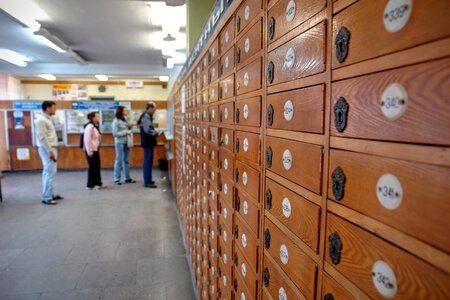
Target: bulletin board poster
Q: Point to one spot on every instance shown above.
(23, 153)
(69, 92)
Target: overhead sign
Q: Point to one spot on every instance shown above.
(95, 105)
(27, 105)
(134, 84)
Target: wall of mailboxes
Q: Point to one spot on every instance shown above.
(312, 151)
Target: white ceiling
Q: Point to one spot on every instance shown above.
(112, 35)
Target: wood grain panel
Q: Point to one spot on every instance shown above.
(249, 44)
(246, 286)
(226, 189)
(214, 72)
(248, 79)
(21, 136)
(227, 139)
(360, 251)
(227, 62)
(248, 209)
(248, 10)
(226, 88)
(226, 37)
(226, 163)
(213, 92)
(247, 179)
(331, 287)
(248, 112)
(249, 149)
(213, 52)
(246, 240)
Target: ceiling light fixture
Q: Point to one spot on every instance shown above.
(102, 77)
(170, 63)
(26, 12)
(164, 78)
(76, 56)
(47, 76)
(14, 57)
(51, 40)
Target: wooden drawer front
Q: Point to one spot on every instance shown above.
(199, 84)
(204, 114)
(248, 209)
(277, 283)
(245, 271)
(214, 135)
(213, 151)
(298, 110)
(226, 187)
(360, 255)
(214, 51)
(227, 139)
(213, 92)
(393, 37)
(248, 10)
(226, 236)
(205, 78)
(301, 57)
(411, 197)
(246, 240)
(404, 105)
(300, 268)
(248, 112)
(285, 15)
(248, 147)
(241, 287)
(213, 238)
(226, 163)
(296, 161)
(249, 78)
(214, 72)
(226, 38)
(225, 209)
(295, 212)
(246, 179)
(225, 259)
(227, 62)
(225, 283)
(213, 176)
(226, 88)
(226, 115)
(332, 288)
(249, 44)
(205, 95)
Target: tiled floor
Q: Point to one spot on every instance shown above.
(122, 242)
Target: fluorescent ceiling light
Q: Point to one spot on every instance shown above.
(47, 76)
(102, 77)
(51, 40)
(49, 43)
(14, 57)
(25, 11)
(164, 78)
(170, 63)
(170, 18)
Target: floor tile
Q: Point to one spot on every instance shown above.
(108, 274)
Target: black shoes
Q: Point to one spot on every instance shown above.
(130, 181)
(150, 185)
(49, 202)
(117, 183)
(57, 197)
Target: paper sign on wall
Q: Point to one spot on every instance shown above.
(23, 153)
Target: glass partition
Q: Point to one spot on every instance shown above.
(58, 120)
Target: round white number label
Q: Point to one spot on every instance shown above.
(244, 270)
(284, 254)
(213, 52)
(245, 111)
(394, 101)
(213, 72)
(213, 155)
(246, 79)
(225, 111)
(282, 294)
(244, 178)
(247, 13)
(213, 175)
(225, 212)
(287, 159)
(245, 145)
(396, 14)
(384, 279)
(225, 235)
(389, 191)
(225, 188)
(204, 132)
(247, 45)
(225, 259)
(244, 240)
(213, 93)
(225, 164)
(243, 296)
(226, 63)
(226, 139)
(289, 58)
(227, 36)
(245, 206)
(286, 207)
(224, 280)
(288, 110)
(290, 11)
(213, 113)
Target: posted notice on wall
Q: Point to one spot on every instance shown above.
(23, 153)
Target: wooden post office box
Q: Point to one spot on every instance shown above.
(249, 78)
(296, 161)
(226, 237)
(299, 267)
(246, 240)
(297, 110)
(276, 283)
(205, 95)
(248, 112)
(213, 154)
(302, 56)
(246, 179)
(225, 259)
(248, 10)
(394, 25)
(226, 37)
(199, 84)
(409, 104)
(205, 116)
(248, 209)
(213, 95)
(295, 212)
(213, 135)
(227, 63)
(205, 78)
(248, 147)
(411, 197)
(214, 72)
(214, 113)
(226, 139)
(379, 268)
(249, 44)
(333, 289)
(224, 291)
(225, 210)
(226, 187)
(213, 52)
(226, 87)
(205, 61)
(246, 273)
(226, 163)
(285, 15)
(240, 290)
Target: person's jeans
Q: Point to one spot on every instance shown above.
(122, 160)
(94, 170)
(48, 173)
(148, 165)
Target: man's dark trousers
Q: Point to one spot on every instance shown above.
(148, 164)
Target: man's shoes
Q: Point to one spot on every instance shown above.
(100, 187)
(150, 186)
(49, 202)
(117, 183)
(152, 182)
(57, 197)
(130, 181)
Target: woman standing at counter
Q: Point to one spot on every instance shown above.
(121, 131)
(91, 141)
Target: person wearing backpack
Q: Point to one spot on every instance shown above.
(91, 142)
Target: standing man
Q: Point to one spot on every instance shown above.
(148, 142)
(47, 141)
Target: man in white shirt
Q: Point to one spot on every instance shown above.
(47, 141)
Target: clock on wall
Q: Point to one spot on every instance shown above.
(102, 88)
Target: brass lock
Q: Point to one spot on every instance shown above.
(236, 232)
(236, 259)
(238, 23)
(271, 30)
(237, 203)
(269, 155)
(235, 284)
(328, 296)
(338, 183)
(270, 115)
(270, 71)
(268, 199)
(267, 238)
(238, 55)
(237, 115)
(340, 114)
(335, 247)
(341, 43)
(266, 276)
(237, 145)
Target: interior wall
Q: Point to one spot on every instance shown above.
(197, 13)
